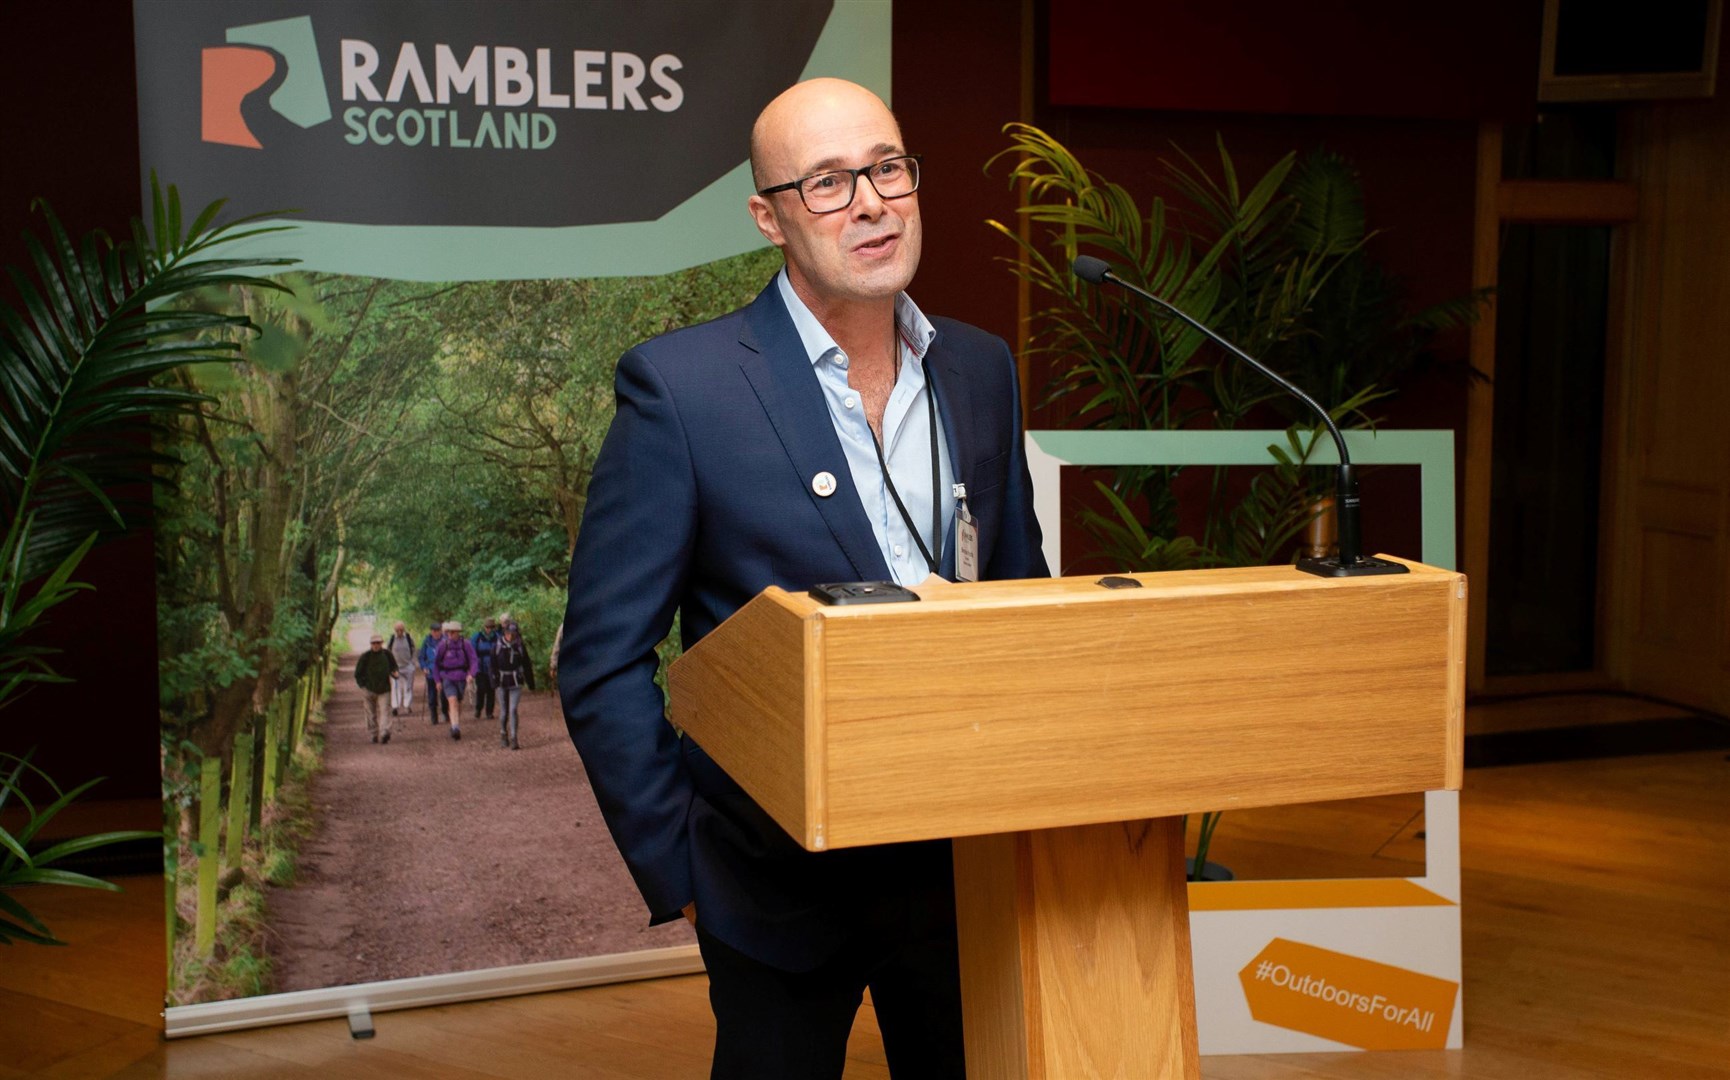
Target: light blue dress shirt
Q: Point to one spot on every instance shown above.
(906, 436)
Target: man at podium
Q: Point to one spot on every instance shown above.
(829, 431)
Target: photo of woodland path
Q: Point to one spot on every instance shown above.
(388, 451)
(432, 855)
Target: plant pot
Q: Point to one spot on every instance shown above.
(1210, 871)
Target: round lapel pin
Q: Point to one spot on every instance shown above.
(823, 484)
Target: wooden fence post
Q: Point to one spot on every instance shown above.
(294, 713)
(284, 735)
(239, 800)
(255, 790)
(209, 820)
(272, 750)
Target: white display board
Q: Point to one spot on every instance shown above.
(1315, 965)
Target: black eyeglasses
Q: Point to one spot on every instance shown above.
(827, 192)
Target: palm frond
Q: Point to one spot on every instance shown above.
(95, 323)
(23, 665)
(1330, 205)
(19, 866)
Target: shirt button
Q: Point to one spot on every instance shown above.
(899, 551)
(848, 402)
(840, 359)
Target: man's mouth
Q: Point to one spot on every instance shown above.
(877, 243)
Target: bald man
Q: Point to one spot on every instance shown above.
(829, 431)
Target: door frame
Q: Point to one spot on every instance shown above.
(1499, 203)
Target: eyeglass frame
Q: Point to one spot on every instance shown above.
(854, 174)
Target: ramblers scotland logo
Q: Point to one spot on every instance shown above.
(421, 112)
(422, 86)
(233, 71)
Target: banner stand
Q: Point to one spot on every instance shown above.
(340, 1001)
(426, 142)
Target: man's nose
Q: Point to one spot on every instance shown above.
(867, 204)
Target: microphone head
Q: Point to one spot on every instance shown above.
(1088, 268)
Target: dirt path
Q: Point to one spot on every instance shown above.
(434, 855)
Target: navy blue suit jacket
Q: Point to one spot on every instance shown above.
(701, 497)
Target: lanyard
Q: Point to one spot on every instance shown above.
(889, 481)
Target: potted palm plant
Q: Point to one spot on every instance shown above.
(95, 325)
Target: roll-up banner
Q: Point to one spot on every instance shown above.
(488, 203)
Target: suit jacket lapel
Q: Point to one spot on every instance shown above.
(780, 373)
(955, 406)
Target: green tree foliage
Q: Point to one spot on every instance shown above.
(251, 555)
(480, 517)
(421, 451)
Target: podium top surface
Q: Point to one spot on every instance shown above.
(936, 594)
(1011, 705)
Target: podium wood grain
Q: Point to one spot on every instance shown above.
(1075, 953)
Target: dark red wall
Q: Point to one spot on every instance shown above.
(70, 132)
(1464, 60)
(957, 81)
(1407, 87)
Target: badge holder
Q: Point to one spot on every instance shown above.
(966, 537)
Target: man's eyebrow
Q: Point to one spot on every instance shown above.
(878, 153)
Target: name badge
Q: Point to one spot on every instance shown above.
(966, 538)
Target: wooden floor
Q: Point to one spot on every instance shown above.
(1597, 944)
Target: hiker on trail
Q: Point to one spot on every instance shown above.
(374, 671)
(513, 669)
(455, 664)
(435, 702)
(507, 619)
(402, 649)
(486, 640)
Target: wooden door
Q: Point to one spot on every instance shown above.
(1669, 625)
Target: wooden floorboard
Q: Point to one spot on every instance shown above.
(1596, 933)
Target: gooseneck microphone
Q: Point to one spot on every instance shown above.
(1350, 562)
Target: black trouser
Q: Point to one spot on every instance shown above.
(484, 695)
(435, 701)
(794, 1025)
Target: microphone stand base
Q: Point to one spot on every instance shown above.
(1367, 566)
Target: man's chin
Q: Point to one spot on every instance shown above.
(883, 281)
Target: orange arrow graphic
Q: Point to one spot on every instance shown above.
(1346, 998)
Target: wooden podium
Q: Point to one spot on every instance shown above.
(1058, 729)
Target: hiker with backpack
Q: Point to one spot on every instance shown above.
(485, 641)
(513, 669)
(402, 649)
(425, 659)
(456, 665)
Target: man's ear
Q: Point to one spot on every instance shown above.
(764, 215)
